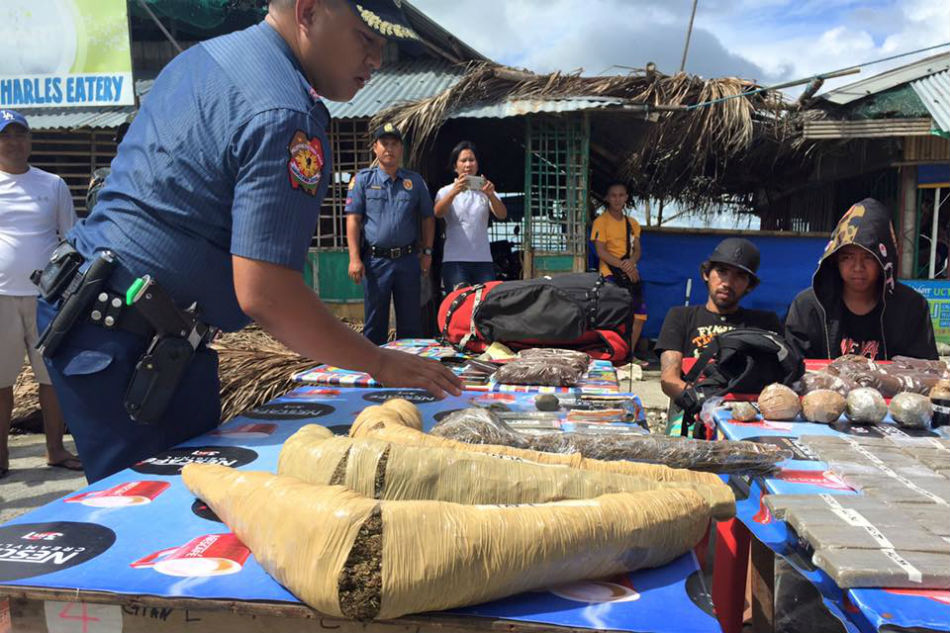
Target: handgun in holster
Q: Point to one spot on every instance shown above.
(178, 333)
(61, 281)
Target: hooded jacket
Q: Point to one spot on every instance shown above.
(814, 322)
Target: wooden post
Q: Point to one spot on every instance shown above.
(908, 220)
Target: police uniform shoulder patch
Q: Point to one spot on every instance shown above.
(407, 184)
(305, 165)
(352, 183)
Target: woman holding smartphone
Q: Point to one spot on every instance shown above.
(465, 206)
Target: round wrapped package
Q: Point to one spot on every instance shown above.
(911, 410)
(778, 402)
(823, 405)
(866, 406)
(744, 412)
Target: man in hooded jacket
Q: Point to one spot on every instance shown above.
(855, 304)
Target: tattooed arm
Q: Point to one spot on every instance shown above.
(671, 368)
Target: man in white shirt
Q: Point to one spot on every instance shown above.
(36, 210)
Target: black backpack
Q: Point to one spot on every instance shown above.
(744, 360)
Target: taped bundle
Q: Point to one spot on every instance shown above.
(351, 556)
(383, 470)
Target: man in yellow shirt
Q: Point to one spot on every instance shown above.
(617, 240)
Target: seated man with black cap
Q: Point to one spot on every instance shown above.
(730, 274)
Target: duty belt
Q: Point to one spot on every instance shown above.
(145, 309)
(392, 253)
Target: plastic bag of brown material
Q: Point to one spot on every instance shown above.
(578, 359)
(480, 426)
(815, 380)
(383, 424)
(935, 367)
(912, 380)
(346, 555)
(383, 470)
(549, 372)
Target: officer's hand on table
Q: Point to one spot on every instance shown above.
(401, 369)
(425, 262)
(356, 271)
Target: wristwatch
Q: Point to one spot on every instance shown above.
(427, 251)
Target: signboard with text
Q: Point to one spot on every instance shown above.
(937, 294)
(65, 53)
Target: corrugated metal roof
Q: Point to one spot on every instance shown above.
(80, 118)
(406, 81)
(934, 91)
(521, 107)
(76, 118)
(887, 80)
(871, 128)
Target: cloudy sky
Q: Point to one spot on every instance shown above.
(765, 40)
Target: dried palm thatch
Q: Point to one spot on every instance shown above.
(684, 155)
(254, 368)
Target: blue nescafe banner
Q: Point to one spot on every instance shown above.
(141, 532)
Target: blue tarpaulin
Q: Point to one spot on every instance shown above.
(669, 259)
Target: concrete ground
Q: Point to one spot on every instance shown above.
(30, 483)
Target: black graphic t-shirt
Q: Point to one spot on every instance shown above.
(690, 329)
(861, 334)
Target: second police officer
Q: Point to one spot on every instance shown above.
(390, 225)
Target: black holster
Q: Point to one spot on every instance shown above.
(178, 333)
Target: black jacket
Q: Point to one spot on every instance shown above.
(813, 324)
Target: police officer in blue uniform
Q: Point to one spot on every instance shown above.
(390, 225)
(212, 200)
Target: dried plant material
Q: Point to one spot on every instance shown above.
(686, 154)
(778, 402)
(479, 426)
(346, 555)
(823, 405)
(911, 410)
(866, 406)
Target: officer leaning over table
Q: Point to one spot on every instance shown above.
(390, 225)
(204, 223)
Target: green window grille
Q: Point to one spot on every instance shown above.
(556, 189)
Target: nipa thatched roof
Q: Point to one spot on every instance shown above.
(694, 155)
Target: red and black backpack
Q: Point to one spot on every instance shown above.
(573, 311)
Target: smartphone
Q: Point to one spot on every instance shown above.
(475, 183)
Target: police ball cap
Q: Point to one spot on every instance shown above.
(387, 129)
